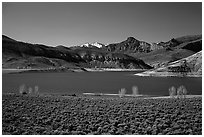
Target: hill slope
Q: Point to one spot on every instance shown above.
(190, 66)
(18, 54)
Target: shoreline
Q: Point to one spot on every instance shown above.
(111, 69)
(11, 70)
(5, 71)
(108, 94)
(165, 74)
(139, 96)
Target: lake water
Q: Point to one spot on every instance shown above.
(98, 82)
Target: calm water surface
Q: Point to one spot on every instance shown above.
(103, 82)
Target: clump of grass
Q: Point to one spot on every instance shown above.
(172, 91)
(135, 91)
(122, 92)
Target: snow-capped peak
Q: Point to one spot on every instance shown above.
(99, 45)
(94, 44)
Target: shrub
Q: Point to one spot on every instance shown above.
(172, 92)
(22, 89)
(135, 91)
(122, 92)
(181, 92)
(30, 90)
(36, 88)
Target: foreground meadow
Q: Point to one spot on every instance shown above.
(78, 115)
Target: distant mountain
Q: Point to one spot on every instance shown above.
(172, 50)
(91, 45)
(177, 41)
(188, 38)
(130, 45)
(189, 66)
(103, 59)
(158, 54)
(16, 54)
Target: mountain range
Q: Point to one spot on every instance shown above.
(175, 49)
(17, 54)
(128, 54)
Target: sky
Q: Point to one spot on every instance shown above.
(76, 23)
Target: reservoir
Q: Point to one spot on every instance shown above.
(98, 82)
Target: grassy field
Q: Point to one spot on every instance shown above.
(75, 115)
